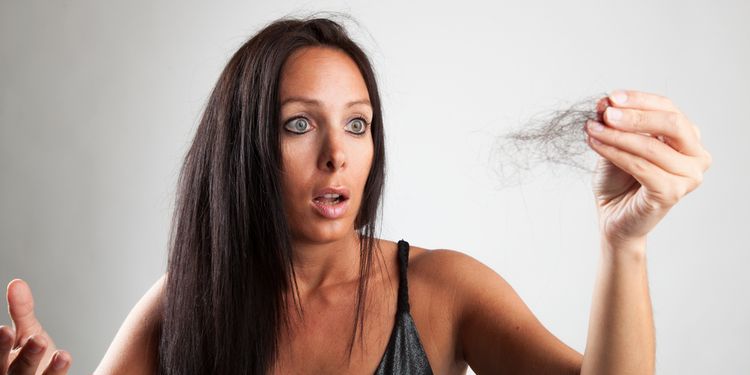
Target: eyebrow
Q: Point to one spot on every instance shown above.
(318, 103)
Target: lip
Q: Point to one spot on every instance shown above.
(340, 190)
(331, 211)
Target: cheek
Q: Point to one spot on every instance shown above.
(365, 164)
(294, 169)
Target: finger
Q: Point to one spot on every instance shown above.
(29, 357)
(641, 100)
(21, 309)
(7, 336)
(60, 363)
(646, 147)
(602, 104)
(697, 132)
(673, 126)
(646, 173)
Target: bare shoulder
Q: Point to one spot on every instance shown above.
(471, 287)
(455, 281)
(134, 348)
(446, 268)
(443, 258)
(446, 286)
(495, 331)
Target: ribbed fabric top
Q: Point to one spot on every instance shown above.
(404, 354)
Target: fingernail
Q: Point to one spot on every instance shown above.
(618, 96)
(595, 126)
(34, 345)
(595, 141)
(614, 114)
(59, 362)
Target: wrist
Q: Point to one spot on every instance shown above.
(633, 249)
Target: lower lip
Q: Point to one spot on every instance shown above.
(331, 211)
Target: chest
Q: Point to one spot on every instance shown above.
(319, 342)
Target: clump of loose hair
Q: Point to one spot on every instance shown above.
(550, 138)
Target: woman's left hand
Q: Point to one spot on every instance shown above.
(651, 158)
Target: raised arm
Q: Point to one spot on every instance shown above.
(498, 333)
(651, 157)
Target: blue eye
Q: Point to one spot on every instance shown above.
(299, 125)
(361, 127)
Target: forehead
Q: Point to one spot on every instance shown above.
(322, 73)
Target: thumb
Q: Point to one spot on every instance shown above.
(21, 309)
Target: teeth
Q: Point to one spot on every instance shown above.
(331, 196)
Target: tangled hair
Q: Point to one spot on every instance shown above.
(230, 256)
(551, 138)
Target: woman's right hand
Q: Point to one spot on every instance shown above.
(28, 349)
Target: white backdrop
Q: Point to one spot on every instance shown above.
(98, 101)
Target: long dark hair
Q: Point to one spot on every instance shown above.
(230, 256)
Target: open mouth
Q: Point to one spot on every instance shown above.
(330, 199)
(331, 205)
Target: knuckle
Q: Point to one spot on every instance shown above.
(676, 194)
(638, 119)
(703, 161)
(698, 178)
(634, 96)
(676, 123)
(697, 132)
(35, 326)
(674, 119)
(652, 146)
(672, 194)
(617, 137)
(639, 166)
(635, 120)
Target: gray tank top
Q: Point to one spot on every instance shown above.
(404, 354)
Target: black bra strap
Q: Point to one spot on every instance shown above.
(403, 287)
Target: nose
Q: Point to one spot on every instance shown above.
(332, 155)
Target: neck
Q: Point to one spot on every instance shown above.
(321, 264)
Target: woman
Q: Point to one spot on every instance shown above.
(270, 267)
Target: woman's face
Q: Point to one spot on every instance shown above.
(325, 142)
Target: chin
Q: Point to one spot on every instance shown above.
(326, 231)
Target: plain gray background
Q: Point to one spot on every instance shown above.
(100, 99)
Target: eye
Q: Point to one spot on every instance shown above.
(360, 125)
(297, 125)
